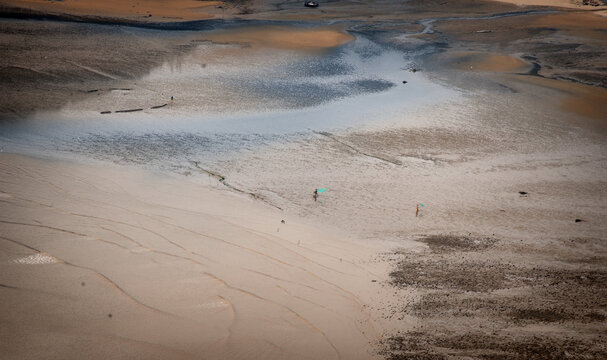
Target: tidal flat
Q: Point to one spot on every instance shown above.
(158, 169)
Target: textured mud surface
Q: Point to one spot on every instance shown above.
(502, 307)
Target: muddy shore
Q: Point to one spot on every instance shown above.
(505, 152)
(566, 45)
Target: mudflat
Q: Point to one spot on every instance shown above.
(157, 180)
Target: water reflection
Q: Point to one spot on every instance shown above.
(233, 97)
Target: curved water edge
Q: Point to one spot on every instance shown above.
(247, 101)
(265, 97)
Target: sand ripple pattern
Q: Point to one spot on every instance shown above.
(149, 272)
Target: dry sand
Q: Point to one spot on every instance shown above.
(112, 263)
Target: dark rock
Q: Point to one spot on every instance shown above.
(130, 110)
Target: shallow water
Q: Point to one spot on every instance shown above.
(231, 97)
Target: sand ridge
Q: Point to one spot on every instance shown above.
(474, 61)
(283, 37)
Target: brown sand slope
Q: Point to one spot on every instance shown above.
(119, 264)
(283, 37)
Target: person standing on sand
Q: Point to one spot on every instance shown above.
(315, 194)
(416, 210)
(171, 99)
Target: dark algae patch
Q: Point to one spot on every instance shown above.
(448, 243)
(499, 306)
(462, 276)
(476, 345)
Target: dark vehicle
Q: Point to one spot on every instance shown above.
(312, 4)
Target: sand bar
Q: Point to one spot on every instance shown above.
(487, 62)
(283, 37)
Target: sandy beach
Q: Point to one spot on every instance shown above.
(129, 264)
(157, 179)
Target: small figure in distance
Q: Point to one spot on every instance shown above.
(315, 194)
(171, 99)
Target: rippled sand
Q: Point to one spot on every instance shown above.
(118, 263)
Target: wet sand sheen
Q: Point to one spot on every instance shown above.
(474, 61)
(556, 3)
(283, 37)
(585, 100)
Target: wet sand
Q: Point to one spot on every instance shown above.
(142, 10)
(471, 61)
(566, 45)
(159, 233)
(281, 37)
(572, 4)
(577, 98)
